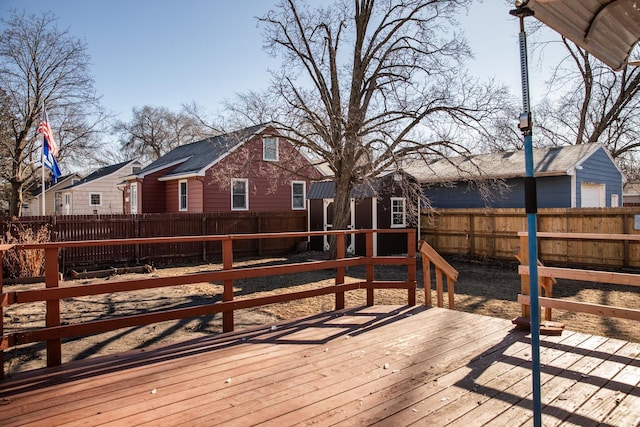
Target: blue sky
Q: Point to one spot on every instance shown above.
(165, 53)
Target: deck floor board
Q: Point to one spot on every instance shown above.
(381, 365)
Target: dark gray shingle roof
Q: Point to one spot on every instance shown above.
(197, 155)
(104, 171)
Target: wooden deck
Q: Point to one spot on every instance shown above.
(390, 366)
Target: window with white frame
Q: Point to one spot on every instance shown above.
(182, 195)
(239, 194)
(270, 148)
(95, 199)
(398, 212)
(298, 195)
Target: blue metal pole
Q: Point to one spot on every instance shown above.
(531, 207)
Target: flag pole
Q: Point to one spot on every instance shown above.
(42, 194)
(43, 213)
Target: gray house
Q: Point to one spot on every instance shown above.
(576, 176)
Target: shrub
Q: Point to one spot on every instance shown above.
(25, 262)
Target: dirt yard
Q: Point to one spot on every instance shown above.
(485, 288)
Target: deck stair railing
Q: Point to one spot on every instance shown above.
(429, 257)
(554, 273)
(55, 330)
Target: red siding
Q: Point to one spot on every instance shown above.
(171, 197)
(194, 193)
(153, 192)
(269, 182)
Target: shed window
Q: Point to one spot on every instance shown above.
(95, 199)
(270, 148)
(239, 195)
(298, 200)
(182, 195)
(398, 212)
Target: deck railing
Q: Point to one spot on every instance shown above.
(546, 274)
(429, 257)
(54, 331)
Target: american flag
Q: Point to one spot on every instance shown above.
(45, 129)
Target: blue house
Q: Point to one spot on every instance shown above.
(576, 176)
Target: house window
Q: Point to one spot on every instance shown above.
(398, 212)
(298, 200)
(182, 195)
(270, 148)
(95, 199)
(239, 195)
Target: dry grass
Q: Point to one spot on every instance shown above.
(26, 262)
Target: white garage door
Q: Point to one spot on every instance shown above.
(593, 195)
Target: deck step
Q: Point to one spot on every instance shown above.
(547, 327)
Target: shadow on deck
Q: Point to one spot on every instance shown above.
(384, 365)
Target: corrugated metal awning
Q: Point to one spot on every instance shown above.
(607, 29)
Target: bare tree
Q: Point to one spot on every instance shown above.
(596, 104)
(366, 84)
(154, 131)
(40, 64)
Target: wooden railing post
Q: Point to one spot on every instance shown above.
(430, 256)
(52, 280)
(426, 280)
(411, 268)
(340, 271)
(524, 280)
(439, 288)
(227, 293)
(370, 276)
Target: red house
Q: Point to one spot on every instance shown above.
(250, 170)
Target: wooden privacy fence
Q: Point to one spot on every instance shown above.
(55, 330)
(107, 227)
(575, 274)
(493, 233)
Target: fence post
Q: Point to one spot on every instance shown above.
(227, 294)
(203, 232)
(52, 280)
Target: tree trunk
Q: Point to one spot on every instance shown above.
(15, 202)
(341, 210)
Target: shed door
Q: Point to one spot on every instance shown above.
(592, 195)
(328, 225)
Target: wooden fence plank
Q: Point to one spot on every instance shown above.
(99, 228)
(493, 233)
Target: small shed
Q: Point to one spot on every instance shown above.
(381, 204)
(576, 176)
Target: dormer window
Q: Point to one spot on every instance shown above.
(270, 148)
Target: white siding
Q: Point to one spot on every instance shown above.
(107, 186)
